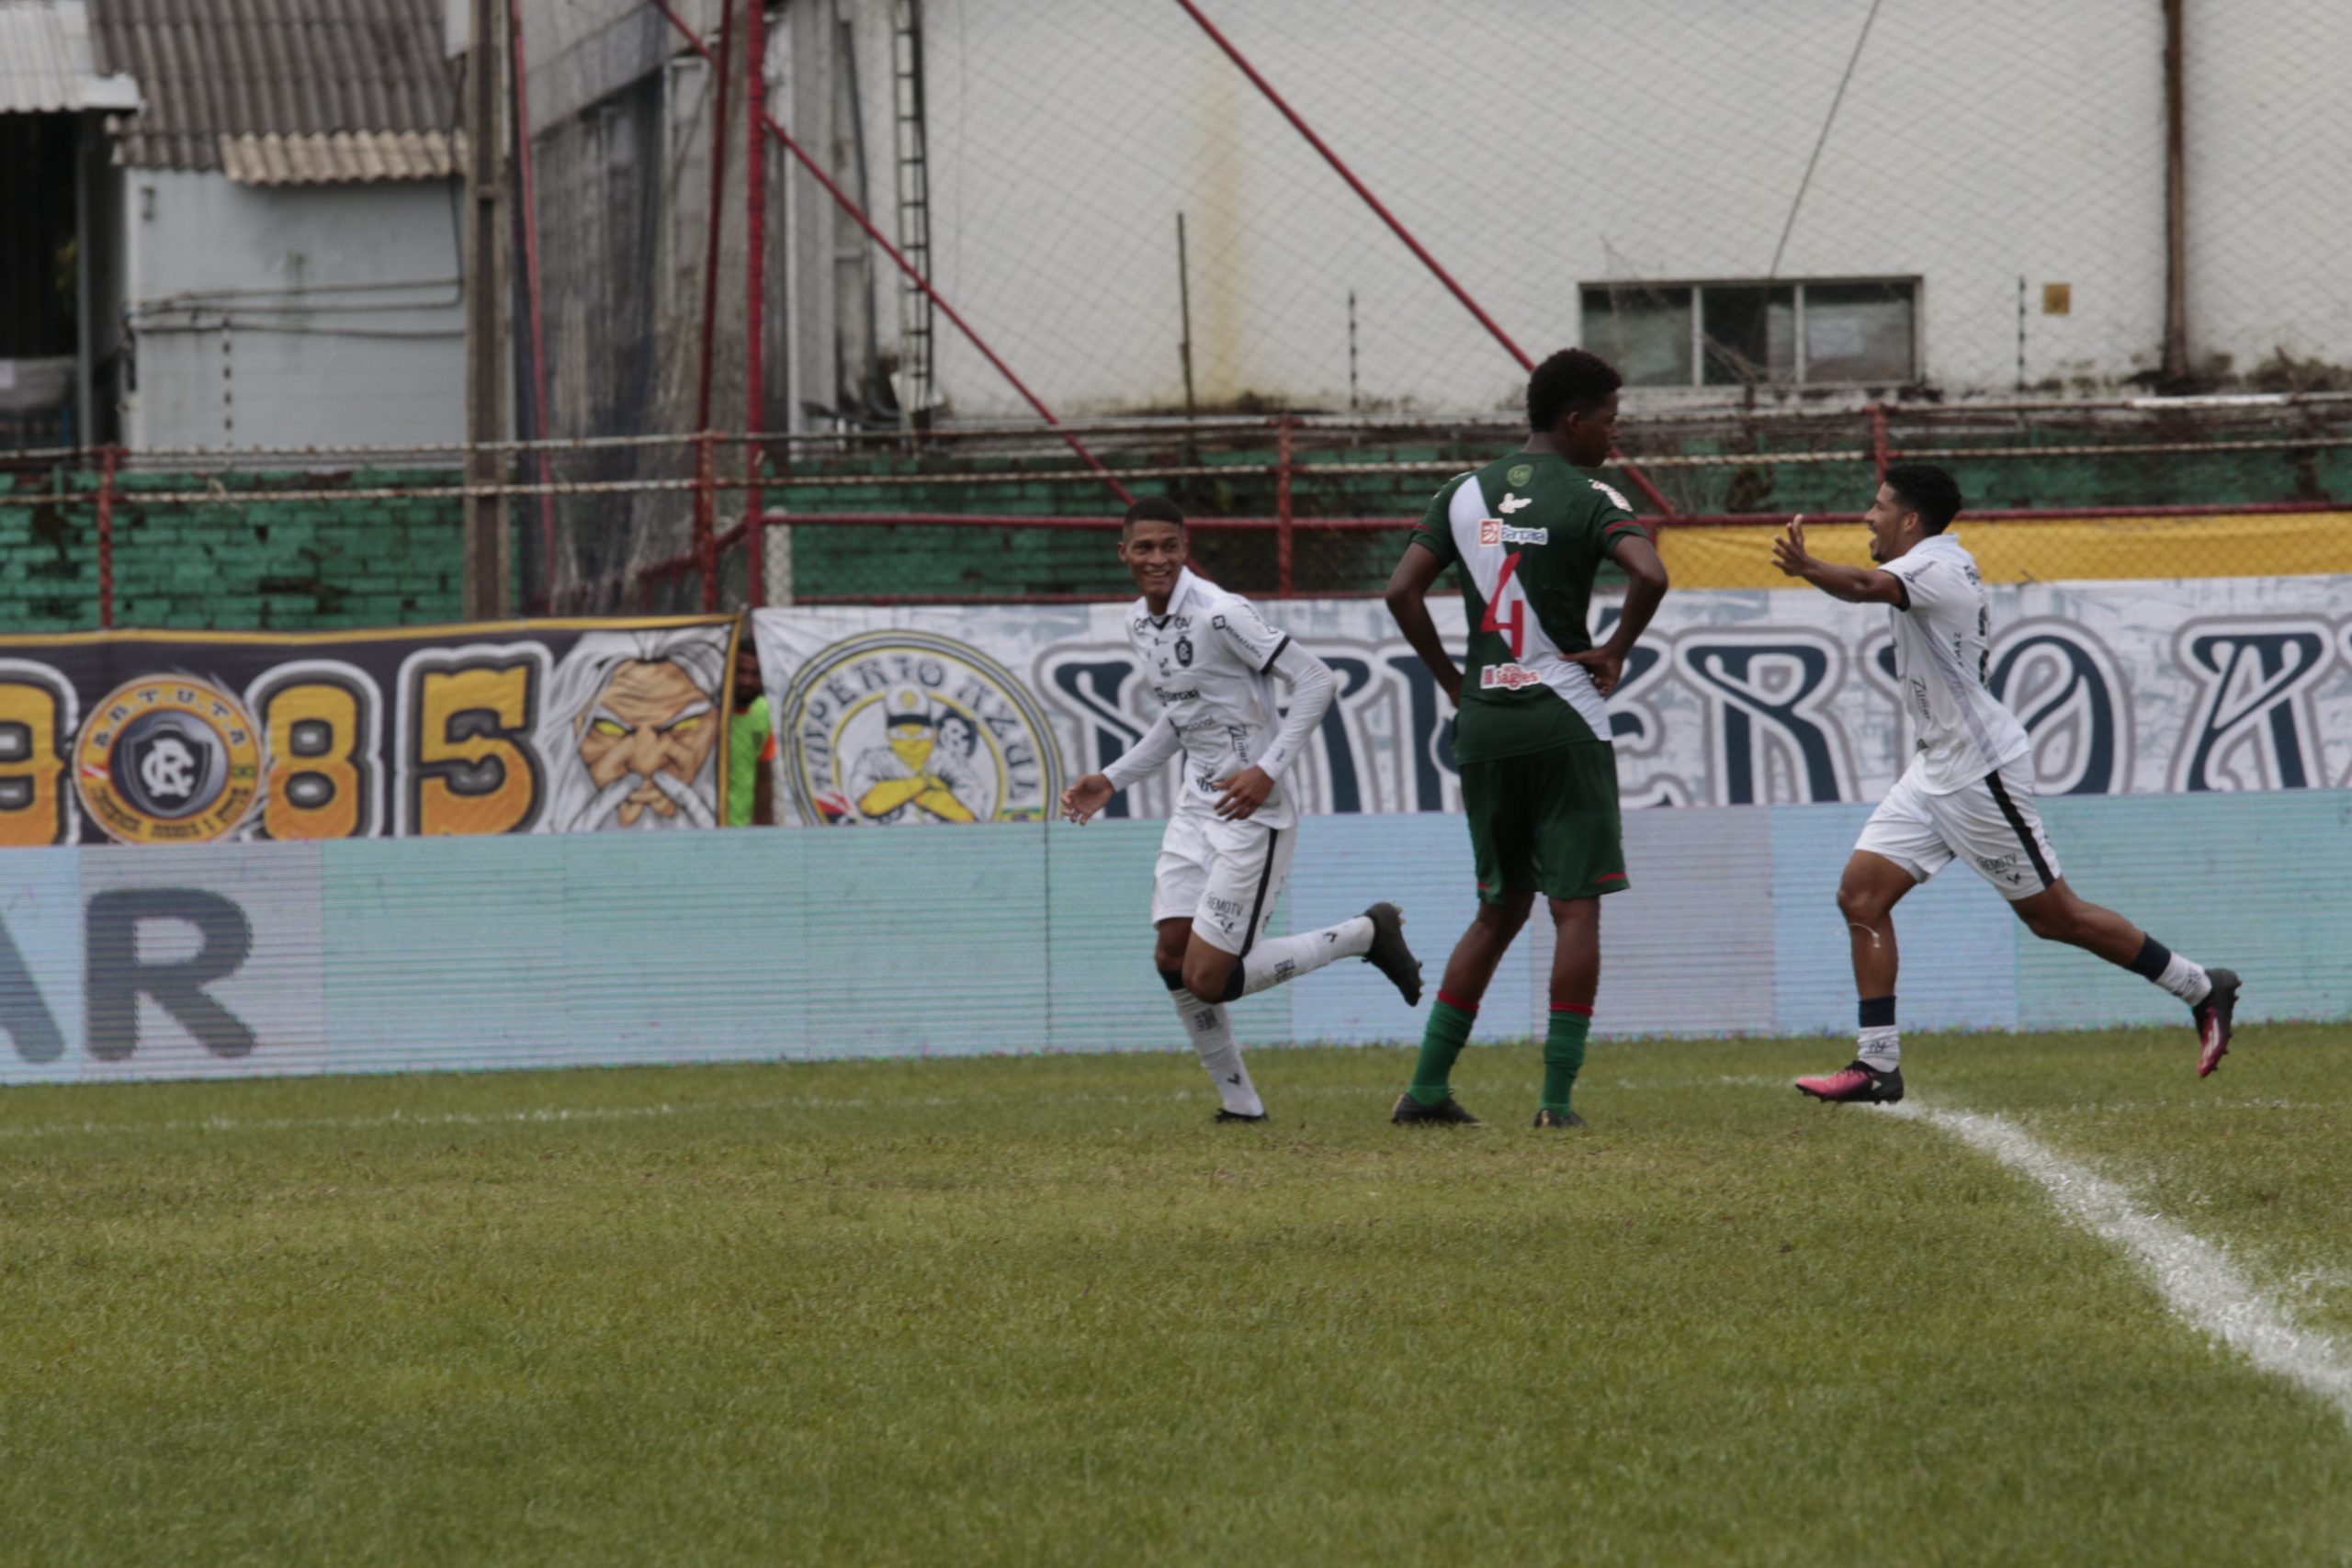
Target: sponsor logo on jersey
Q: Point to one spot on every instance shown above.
(168, 761)
(1515, 504)
(1616, 497)
(1520, 473)
(873, 711)
(1495, 531)
(1508, 677)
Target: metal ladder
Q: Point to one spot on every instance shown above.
(911, 144)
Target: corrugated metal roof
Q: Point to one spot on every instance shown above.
(214, 70)
(343, 158)
(45, 61)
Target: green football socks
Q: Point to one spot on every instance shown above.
(1563, 1053)
(1441, 1042)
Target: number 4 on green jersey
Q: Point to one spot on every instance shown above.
(1529, 532)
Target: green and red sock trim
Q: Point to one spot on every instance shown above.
(1448, 1031)
(1563, 1053)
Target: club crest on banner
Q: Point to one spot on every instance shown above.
(168, 761)
(900, 728)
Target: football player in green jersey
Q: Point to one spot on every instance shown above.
(1532, 736)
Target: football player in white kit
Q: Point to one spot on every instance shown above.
(1968, 793)
(1209, 656)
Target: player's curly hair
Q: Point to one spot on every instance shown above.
(1929, 490)
(1570, 382)
(1150, 509)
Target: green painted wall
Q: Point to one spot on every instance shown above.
(339, 564)
(254, 566)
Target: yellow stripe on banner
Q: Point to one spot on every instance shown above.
(2283, 544)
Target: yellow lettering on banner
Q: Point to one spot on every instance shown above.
(475, 770)
(314, 734)
(32, 775)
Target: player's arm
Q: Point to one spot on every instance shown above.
(1408, 593)
(1312, 687)
(1645, 586)
(1151, 752)
(1854, 585)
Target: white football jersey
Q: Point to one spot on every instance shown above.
(1943, 649)
(1207, 661)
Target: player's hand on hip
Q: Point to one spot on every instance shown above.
(1788, 550)
(1244, 793)
(1089, 795)
(1604, 664)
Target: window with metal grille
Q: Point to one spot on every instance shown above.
(1793, 332)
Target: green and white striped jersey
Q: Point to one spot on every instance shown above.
(1529, 532)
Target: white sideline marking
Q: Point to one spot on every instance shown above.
(2194, 1276)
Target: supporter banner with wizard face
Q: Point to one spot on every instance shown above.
(554, 726)
(911, 715)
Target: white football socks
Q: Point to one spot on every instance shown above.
(1212, 1032)
(1879, 1049)
(1276, 959)
(2185, 978)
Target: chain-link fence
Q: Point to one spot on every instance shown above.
(1367, 209)
(1874, 193)
(1283, 506)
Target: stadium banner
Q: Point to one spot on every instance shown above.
(244, 959)
(908, 715)
(191, 738)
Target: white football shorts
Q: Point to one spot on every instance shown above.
(1990, 824)
(1224, 876)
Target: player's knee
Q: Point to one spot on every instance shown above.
(1167, 953)
(1573, 914)
(1860, 906)
(1509, 912)
(1203, 967)
(2055, 923)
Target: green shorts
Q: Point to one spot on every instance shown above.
(1546, 821)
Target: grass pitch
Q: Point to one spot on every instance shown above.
(1041, 1311)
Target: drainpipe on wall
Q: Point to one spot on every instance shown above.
(2175, 204)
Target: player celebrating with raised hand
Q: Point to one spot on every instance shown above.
(1969, 790)
(1208, 655)
(1532, 739)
